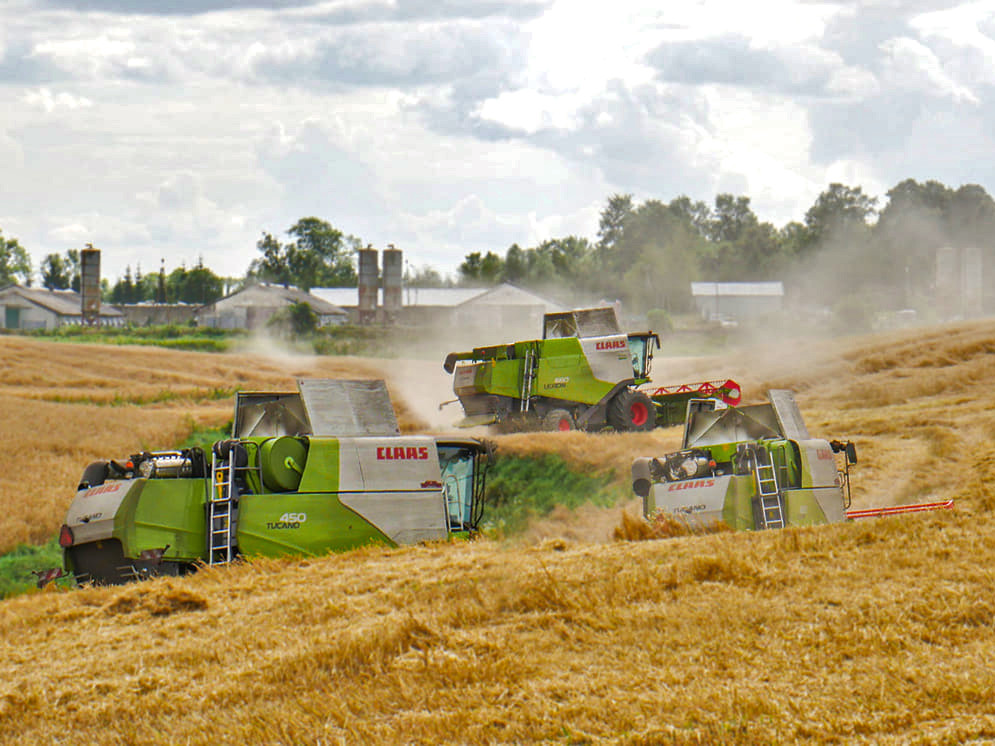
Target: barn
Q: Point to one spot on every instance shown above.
(737, 301)
(40, 308)
(253, 306)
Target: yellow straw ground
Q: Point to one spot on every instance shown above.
(879, 631)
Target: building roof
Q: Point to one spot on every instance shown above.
(254, 295)
(59, 302)
(409, 296)
(710, 289)
(506, 294)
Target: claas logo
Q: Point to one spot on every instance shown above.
(611, 344)
(691, 485)
(402, 453)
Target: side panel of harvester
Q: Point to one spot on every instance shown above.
(569, 369)
(353, 492)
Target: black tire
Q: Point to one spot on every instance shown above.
(558, 420)
(631, 411)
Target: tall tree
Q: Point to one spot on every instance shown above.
(972, 217)
(912, 226)
(696, 213)
(425, 276)
(54, 275)
(73, 268)
(838, 210)
(319, 255)
(516, 265)
(15, 264)
(657, 254)
(731, 218)
(486, 268)
(124, 289)
(612, 223)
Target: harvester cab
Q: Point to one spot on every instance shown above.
(751, 467)
(303, 473)
(583, 374)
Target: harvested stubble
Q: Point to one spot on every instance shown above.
(879, 631)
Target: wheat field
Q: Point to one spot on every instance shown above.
(65, 405)
(878, 631)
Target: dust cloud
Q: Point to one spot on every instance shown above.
(276, 350)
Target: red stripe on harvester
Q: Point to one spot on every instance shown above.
(897, 509)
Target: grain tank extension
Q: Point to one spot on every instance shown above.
(304, 473)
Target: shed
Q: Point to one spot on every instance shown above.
(149, 313)
(40, 308)
(723, 301)
(253, 306)
(505, 306)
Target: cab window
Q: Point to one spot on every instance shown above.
(640, 353)
(456, 463)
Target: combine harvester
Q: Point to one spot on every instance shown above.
(583, 374)
(324, 469)
(753, 468)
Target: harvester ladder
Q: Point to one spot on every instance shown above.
(528, 377)
(771, 512)
(222, 510)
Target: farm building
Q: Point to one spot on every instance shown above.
(736, 301)
(149, 313)
(39, 308)
(505, 307)
(253, 306)
(490, 307)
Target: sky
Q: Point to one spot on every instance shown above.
(184, 129)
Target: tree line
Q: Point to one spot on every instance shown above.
(648, 254)
(644, 254)
(318, 255)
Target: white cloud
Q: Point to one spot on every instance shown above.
(71, 233)
(93, 56)
(914, 66)
(853, 82)
(530, 111)
(453, 126)
(11, 155)
(44, 99)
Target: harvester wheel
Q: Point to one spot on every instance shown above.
(631, 410)
(558, 419)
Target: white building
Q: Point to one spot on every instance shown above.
(253, 306)
(39, 308)
(722, 301)
(489, 307)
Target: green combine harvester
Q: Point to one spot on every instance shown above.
(306, 473)
(583, 374)
(750, 468)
